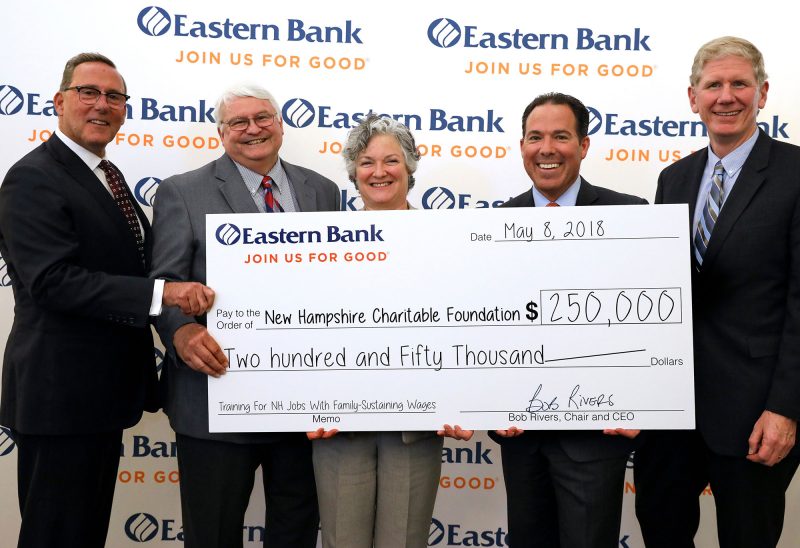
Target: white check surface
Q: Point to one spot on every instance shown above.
(543, 318)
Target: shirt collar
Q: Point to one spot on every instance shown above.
(89, 158)
(568, 198)
(734, 160)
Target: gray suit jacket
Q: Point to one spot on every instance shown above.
(179, 253)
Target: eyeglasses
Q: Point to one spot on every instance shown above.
(241, 124)
(90, 96)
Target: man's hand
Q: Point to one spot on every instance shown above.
(193, 298)
(512, 432)
(455, 432)
(321, 434)
(772, 438)
(624, 432)
(199, 350)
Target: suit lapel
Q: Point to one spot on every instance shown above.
(85, 178)
(747, 184)
(232, 186)
(587, 195)
(305, 194)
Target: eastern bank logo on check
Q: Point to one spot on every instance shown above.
(230, 234)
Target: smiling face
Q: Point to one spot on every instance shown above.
(551, 149)
(382, 175)
(91, 126)
(256, 148)
(727, 97)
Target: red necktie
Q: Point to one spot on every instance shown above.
(271, 205)
(123, 200)
(552, 204)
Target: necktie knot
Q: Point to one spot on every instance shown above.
(552, 204)
(271, 205)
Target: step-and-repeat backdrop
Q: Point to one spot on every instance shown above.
(458, 74)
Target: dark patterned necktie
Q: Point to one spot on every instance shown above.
(123, 200)
(705, 225)
(271, 205)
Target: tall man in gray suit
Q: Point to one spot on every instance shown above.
(743, 192)
(217, 470)
(563, 489)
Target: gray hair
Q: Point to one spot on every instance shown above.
(359, 137)
(81, 58)
(243, 90)
(724, 47)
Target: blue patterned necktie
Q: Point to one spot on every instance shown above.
(271, 205)
(710, 213)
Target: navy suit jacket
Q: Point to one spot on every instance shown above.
(746, 296)
(580, 446)
(79, 358)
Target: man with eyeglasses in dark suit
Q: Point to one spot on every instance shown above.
(79, 364)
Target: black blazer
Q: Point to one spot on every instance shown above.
(79, 358)
(746, 296)
(580, 446)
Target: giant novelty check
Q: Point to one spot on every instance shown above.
(543, 318)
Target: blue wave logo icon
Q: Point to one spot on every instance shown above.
(436, 532)
(5, 279)
(145, 190)
(141, 527)
(7, 443)
(10, 100)
(444, 33)
(154, 21)
(595, 120)
(228, 234)
(438, 197)
(298, 112)
(159, 355)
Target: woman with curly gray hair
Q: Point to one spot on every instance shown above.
(381, 157)
(378, 488)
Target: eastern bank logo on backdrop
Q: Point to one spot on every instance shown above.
(300, 113)
(141, 527)
(455, 534)
(5, 279)
(446, 33)
(7, 443)
(159, 356)
(144, 527)
(145, 190)
(156, 21)
(441, 197)
(10, 100)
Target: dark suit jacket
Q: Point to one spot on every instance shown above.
(580, 446)
(179, 253)
(79, 358)
(746, 296)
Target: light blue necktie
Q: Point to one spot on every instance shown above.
(710, 213)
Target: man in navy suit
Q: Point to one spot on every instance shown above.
(743, 192)
(563, 489)
(78, 365)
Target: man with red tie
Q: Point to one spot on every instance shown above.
(79, 364)
(217, 470)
